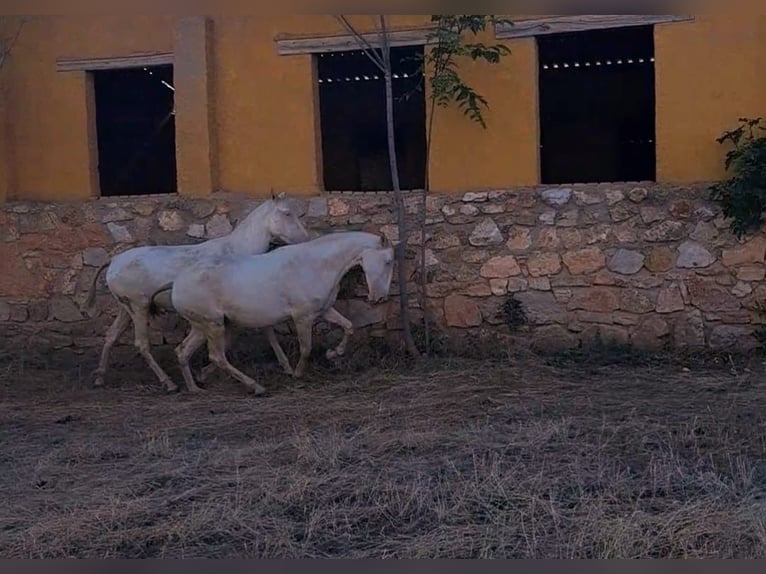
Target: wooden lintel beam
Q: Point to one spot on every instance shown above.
(116, 63)
(579, 23)
(343, 42)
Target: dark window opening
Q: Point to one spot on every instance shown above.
(352, 104)
(135, 126)
(597, 106)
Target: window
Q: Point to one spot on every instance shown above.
(136, 130)
(352, 104)
(597, 106)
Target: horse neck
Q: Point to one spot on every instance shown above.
(251, 235)
(348, 252)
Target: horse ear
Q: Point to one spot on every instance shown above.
(273, 197)
(281, 195)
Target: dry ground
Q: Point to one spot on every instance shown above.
(458, 458)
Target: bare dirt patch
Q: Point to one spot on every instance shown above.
(459, 458)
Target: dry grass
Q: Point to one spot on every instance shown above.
(455, 459)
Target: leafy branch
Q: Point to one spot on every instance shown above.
(7, 46)
(440, 66)
(448, 47)
(743, 195)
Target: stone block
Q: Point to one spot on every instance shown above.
(500, 267)
(692, 255)
(754, 251)
(519, 239)
(461, 311)
(598, 299)
(583, 261)
(626, 262)
(557, 196)
(544, 264)
(486, 233)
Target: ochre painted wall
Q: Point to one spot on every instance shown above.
(267, 114)
(8, 29)
(49, 125)
(264, 110)
(506, 152)
(709, 73)
(266, 106)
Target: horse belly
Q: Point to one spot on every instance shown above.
(258, 312)
(255, 318)
(141, 277)
(260, 295)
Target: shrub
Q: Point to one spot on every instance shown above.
(743, 194)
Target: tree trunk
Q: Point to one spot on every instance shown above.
(423, 209)
(399, 202)
(424, 270)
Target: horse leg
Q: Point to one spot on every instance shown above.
(116, 329)
(207, 372)
(216, 345)
(304, 328)
(193, 341)
(141, 327)
(332, 316)
(278, 351)
(208, 369)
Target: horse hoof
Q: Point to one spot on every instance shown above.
(196, 390)
(171, 388)
(98, 379)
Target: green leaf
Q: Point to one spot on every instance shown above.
(449, 48)
(743, 195)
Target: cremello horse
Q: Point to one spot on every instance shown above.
(298, 282)
(136, 274)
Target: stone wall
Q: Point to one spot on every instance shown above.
(652, 265)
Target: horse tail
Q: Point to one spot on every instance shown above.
(90, 299)
(154, 309)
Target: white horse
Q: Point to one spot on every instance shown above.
(136, 274)
(298, 282)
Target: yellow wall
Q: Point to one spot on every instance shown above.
(49, 126)
(267, 115)
(266, 107)
(709, 73)
(264, 110)
(467, 156)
